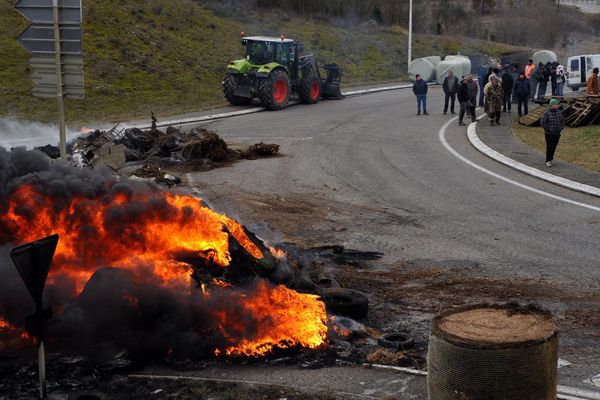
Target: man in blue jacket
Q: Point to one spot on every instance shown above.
(420, 90)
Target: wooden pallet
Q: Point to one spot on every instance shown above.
(578, 111)
(534, 116)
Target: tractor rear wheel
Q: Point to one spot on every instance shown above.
(274, 91)
(309, 90)
(229, 84)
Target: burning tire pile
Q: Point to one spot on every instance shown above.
(154, 274)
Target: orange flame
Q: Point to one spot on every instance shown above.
(97, 232)
(220, 283)
(10, 333)
(339, 330)
(281, 317)
(277, 252)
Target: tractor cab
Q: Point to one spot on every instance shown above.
(262, 50)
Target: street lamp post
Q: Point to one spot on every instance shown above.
(410, 12)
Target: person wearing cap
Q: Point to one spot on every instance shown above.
(494, 95)
(420, 91)
(553, 123)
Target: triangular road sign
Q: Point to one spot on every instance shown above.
(33, 261)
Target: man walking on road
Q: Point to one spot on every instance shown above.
(553, 123)
(450, 86)
(494, 95)
(592, 82)
(472, 90)
(420, 91)
(462, 94)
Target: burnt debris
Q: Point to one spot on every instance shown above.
(173, 150)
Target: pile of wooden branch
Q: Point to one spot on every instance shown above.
(578, 111)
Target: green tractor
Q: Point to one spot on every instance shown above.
(273, 69)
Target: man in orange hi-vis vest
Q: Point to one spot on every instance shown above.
(529, 68)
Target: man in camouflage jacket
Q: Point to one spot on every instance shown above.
(494, 96)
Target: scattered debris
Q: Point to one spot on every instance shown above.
(153, 172)
(383, 356)
(179, 151)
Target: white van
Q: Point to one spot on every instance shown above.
(580, 68)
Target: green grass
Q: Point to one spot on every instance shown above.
(170, 57)
(579, 146)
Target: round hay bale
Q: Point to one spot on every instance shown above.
(422, 67)
(544, 56)
(492, 352)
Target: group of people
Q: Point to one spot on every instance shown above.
(499, 90)
(539, 76)
(465, 90)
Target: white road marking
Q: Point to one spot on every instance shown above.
(442, 137)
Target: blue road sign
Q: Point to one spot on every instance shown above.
(41, 11)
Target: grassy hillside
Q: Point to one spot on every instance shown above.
(170, 56)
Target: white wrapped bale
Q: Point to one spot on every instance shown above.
(544, 56)
(466, 64)
(422, 67)
(442, 69)
(433, 59)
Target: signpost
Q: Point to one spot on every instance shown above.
(55, 33)
(33, 261)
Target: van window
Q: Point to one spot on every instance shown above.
(574, 65)
(588, 63)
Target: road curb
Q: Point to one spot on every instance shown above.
(557, 180)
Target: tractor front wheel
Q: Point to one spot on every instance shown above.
(231, 82)
(310, 88)
(274, 91)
